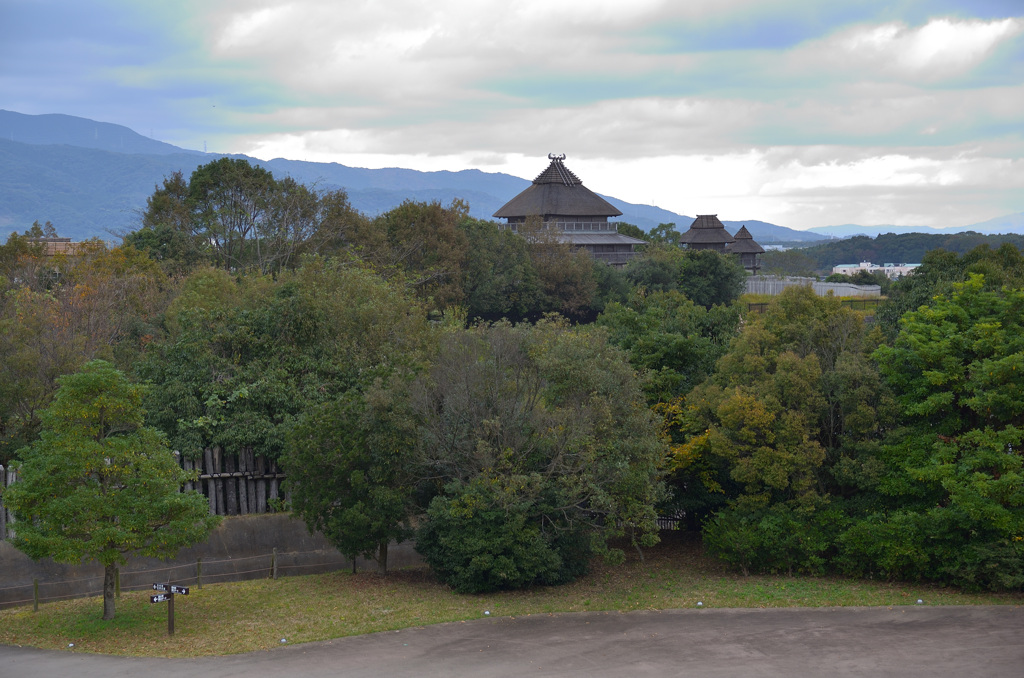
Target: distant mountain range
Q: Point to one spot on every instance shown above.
(92, 179)
(1010, 223)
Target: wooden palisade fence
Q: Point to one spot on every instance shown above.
(236, 484)
(7, 477)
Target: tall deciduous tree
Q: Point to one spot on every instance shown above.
(665, 233)
(423, 241)
(58, 312)
(792, 400)
(566, 273)
(940, 270)
(710, 278)
(540, 447)
(99, 484)
(350, 469)
(239, 217)
(500, 281)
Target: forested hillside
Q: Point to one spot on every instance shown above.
(906, 248)
(521, 409)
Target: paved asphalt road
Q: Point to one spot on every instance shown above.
(970, 642)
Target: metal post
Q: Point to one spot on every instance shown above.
(273, 565)
(199, 573)
(35, 595)
(170, 614)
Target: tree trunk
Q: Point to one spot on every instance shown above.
(382, 558)
(109, 574)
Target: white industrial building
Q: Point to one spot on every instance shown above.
(891, 271)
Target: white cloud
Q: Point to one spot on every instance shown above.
(794, 186)
(867, 119)
(250, 27)
(414, 54)
(940, 49)
(650, 126)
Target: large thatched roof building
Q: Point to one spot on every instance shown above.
(576, 214)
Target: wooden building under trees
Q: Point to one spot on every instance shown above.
(707, 232)
(572, 213)
(52, 246)
(746, 248)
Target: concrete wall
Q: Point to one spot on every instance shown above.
(763, 284)
(240, 548)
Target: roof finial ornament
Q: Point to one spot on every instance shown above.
(556, 156)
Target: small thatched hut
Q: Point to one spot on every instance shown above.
(747, 249)
(706, 233)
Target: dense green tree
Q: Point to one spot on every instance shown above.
(566, 273)
(168, 232)
(98, 484)
(793, 400)
(612, 287)
(229, 207)
(673, 342)
(706, 277)
(538, 445)
(664, 233)
(20, 260)
(500, 281)
(952, 503)
(423, 243)
(632, 230)
(940, 270)
(656, 269)
(349, 466)
(499, 531)
(248, 355)
(709, 278)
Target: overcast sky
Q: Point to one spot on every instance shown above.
(799, 112)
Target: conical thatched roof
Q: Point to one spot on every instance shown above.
(744, 243)
(557, 192)
(706, 229)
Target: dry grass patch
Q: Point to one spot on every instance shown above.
(255, 615)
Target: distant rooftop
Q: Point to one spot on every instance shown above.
(706, 229)
(744, 243)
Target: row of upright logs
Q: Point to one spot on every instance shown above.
(236, 484)
(7, 477)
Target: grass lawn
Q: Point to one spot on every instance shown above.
(256, 615)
